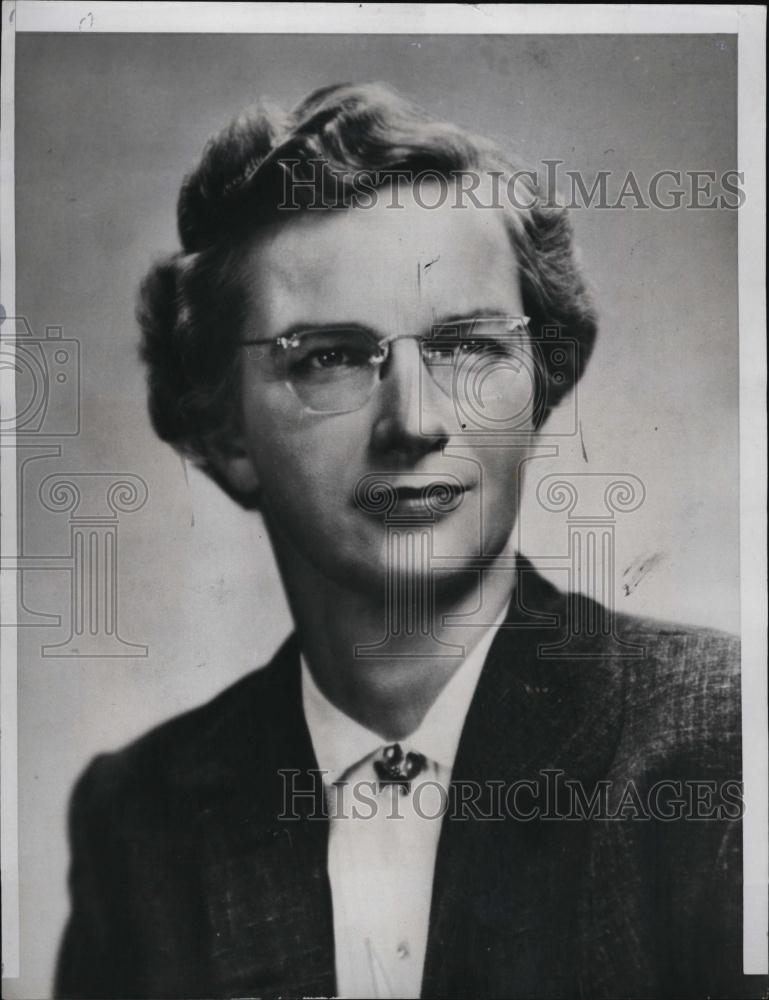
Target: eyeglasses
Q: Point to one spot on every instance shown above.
(336, 370)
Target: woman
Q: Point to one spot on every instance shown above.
(356, 339)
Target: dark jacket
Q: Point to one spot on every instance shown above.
(189, 880)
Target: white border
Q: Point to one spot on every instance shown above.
(749, 22)
(375, 18)
(751, 158)
(9, 741)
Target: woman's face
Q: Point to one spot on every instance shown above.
(380, 273)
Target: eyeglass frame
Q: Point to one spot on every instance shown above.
(517, 324)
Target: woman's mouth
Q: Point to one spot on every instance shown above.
(418, 493)
(438, 496)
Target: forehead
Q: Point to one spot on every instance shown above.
(388, 267)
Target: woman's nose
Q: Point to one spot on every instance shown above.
(413, 415)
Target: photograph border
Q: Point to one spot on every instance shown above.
(749, 24)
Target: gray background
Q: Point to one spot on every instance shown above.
(106, 126)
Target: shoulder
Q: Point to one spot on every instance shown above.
(673, 689)
(673, 638)
(682, 695)
(196, 750)
(652, 659)
(656, 658)
(688, 663)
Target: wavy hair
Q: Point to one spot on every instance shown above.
(192, 303)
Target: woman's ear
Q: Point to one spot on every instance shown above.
(230, 464)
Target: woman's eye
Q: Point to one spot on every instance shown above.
(327, 359)
(330, 358)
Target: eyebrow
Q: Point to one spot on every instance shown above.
(469, 317)
(452, 319)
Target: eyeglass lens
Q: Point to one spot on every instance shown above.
(336, 371)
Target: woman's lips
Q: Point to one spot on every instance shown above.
(418, 493)
(438, 496)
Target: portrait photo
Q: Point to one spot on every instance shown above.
(383, 454)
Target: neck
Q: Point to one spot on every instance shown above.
(389, 685)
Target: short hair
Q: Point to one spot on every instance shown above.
(192, 303)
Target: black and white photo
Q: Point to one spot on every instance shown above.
(386, 621)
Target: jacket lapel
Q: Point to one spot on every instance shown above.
(503, 917)
(264, 872)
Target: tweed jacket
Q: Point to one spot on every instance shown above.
(190, 878)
